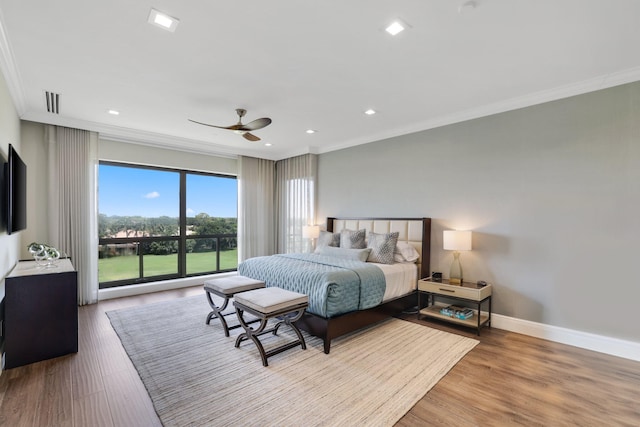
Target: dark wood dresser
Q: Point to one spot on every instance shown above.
(40, 313)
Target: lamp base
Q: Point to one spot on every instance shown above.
(455, 275)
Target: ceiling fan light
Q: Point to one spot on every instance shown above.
(239, 132)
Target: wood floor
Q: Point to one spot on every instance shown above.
(508, 379)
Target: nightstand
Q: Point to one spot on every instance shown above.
(470, 293)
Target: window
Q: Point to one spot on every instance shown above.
(157, 224)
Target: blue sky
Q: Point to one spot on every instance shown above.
(151, 193)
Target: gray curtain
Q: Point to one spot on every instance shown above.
(72, 204)
(256, 213)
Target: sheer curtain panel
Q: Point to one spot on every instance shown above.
(72, 203)
(256, 215)
(296, 206)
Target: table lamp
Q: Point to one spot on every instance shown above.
(311, 232)
(454, 240)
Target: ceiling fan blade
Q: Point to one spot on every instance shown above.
(233, 127)
(256, 124)
(250, 137)
(242, 128)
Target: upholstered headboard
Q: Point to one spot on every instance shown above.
(415, 231)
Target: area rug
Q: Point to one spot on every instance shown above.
(196, 377)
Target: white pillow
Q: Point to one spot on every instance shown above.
(354, 254)
(327, 238)
(405, 252)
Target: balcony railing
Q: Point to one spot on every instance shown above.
(135, 260)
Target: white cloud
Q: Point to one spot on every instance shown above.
(152, 195)
(190, 211)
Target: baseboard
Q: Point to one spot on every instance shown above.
(165, 285)
(586, 340)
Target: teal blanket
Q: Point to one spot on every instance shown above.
(334, 285)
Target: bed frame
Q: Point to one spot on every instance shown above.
(416, 231)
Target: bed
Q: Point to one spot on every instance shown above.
(346, 294)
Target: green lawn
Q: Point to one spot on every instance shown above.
(126, 267)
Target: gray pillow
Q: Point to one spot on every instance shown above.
(326, 238)
(354, 254)
(382, 247)
(350, 239)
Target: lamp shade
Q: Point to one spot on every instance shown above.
(310, 231)
(454, 240)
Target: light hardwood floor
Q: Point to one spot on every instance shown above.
(508, 379)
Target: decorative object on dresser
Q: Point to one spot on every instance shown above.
(475, 294)
(456, 241)
(43, 254)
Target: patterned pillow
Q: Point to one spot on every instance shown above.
(382, 247)
(350, 239)
(327, 238)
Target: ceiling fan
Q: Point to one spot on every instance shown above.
(243, 129)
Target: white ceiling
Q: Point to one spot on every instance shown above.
(305, 64)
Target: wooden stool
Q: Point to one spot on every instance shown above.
(227, 287)
(265, 304)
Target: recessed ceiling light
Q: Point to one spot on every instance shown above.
(310, 131)
(370, 112)
(397, 26)
(162, 20)
(268, 144)
(113, 112)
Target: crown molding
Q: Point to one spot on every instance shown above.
(10, 70)
(574, 89)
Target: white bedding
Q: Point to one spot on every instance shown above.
(402, 278)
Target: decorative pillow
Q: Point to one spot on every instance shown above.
(327, 238)
(350, 239)
(382, 247)
(353, 254)
(405, 252)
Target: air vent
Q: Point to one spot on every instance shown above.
(53, 102)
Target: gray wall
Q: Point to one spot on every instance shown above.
(9, 134)
(35, 155)
(552, 193)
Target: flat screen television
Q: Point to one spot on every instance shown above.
(3, 193)
(15, 192)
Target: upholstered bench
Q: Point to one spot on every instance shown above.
(226, 288)
(266, 304)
